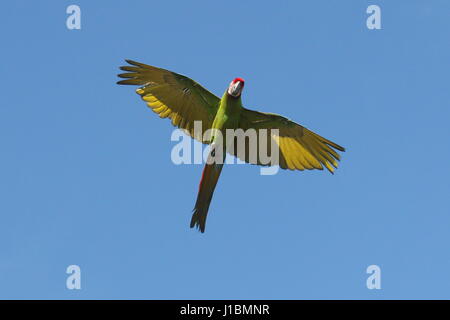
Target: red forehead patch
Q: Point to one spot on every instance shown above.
(238, 79)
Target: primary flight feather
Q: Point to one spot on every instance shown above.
(184, 101)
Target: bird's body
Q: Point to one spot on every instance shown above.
(184, 101)
(227, 117)
(228, 114)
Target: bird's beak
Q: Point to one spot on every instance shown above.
(235, 89)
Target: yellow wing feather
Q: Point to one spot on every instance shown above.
(174, 96)
(298, 147)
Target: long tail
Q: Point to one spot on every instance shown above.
(210, 176)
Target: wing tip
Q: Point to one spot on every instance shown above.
(129, 61)
(122, 75)
(126, 82)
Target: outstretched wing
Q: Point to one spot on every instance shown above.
(298, 148)
(174, 96)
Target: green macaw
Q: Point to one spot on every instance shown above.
(172, 95)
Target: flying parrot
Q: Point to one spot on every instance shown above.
(183, 100)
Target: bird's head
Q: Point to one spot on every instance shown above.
(236, 87)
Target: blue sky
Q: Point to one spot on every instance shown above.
(87, 179)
